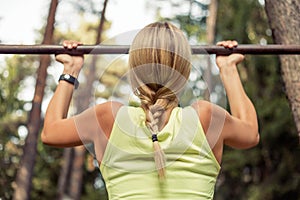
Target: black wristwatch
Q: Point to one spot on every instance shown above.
(69, 79)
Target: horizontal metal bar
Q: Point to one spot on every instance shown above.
(123, 49)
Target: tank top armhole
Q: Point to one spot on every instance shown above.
(205, 141)
(114, 111)
(113, 133)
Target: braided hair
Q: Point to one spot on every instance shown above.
(159, 61)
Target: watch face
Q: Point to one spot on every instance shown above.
(67, 76)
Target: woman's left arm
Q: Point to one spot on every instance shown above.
(57, 130)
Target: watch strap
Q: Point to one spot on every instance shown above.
(70, 79)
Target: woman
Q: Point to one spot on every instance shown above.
(187, 143)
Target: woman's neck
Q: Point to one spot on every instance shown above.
(164, 118)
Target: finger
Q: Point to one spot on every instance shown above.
(74, 45)
(221, 43)
(227, 44)
(59, 58)
(235, 43)
(232, 44)
(63, 57)
(70, 44)
(65, 43)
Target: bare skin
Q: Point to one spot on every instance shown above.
(238, 129)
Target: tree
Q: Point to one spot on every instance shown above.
(256, 173)
(210, 39)
(73, 168)
(82, 102)
(198, 21)
(283, 15)
(25, 172)
(13, 115)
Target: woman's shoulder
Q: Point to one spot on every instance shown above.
(202, 106)
(106, 114)
(109, 107)
(207, 112)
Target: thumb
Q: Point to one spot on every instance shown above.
(64, 59)
(236, 58)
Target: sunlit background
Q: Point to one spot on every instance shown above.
(268, 171)
(21, 19)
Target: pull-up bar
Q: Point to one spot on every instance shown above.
(124, 49)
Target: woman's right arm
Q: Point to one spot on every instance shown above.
(59, 130)
(92, 125)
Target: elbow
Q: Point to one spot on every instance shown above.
(250, 142)
(253, 133)
(45, 136)
(253, 137)
(45, 132)
(254, 140)
(256, 136)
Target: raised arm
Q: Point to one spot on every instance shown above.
(241, 127)
(59, 131)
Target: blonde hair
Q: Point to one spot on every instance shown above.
(159, 61)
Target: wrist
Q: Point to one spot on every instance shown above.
(230, 76)
(71, 72)
(228, 71)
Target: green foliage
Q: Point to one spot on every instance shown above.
(16, 77)
(94, 188)
(12, 117)
(191, 20)
(270, 170)
(11, 75)
(46, 172)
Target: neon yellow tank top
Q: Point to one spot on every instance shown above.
(128, 166)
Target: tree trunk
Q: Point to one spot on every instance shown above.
(24, 175)
(64, 177)
(284, 20)
(75, 184)
(211, 22)
(82, 101)
(210, 38)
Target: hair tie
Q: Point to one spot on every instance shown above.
(154, 138)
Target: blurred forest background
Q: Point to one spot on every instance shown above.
(271, 170)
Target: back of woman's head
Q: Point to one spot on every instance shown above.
(159, 61)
